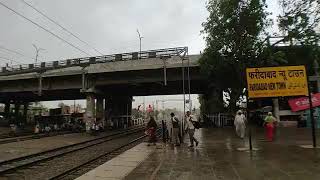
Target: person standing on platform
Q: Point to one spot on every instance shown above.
(37, 129)
(151, 131)
(175, 130)
(169, 129)
(269, 126)
(240, 124)
(190, 128)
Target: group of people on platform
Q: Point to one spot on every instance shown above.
(173, 131)
(270, 124)
(191, 124)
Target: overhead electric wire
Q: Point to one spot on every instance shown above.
(10, 50)
(10, 60)
(53, 34)
(16, 52)
(65, 29)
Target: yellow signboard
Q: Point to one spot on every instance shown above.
(277, 81)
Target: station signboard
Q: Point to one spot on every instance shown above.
(277, 81)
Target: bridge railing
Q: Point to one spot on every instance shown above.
(85, 61)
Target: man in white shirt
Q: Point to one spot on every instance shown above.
(189, 127)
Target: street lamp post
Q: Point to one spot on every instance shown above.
(37, 51)
(140, 37)
(189, 86)
(184, 98)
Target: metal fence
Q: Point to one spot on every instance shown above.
(86, 61)
(220, 119)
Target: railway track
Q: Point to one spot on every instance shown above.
(85, 167)
(6, 138)
(81, 169)
(10, 135)
(52, 163)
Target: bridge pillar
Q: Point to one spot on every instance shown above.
(25, 112)
(16, 112)
(119, 109)
(276, 110)
(107, 113)
(89, 116)
(129, 111)
(7, 110)
(99, 111)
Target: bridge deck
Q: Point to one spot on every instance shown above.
(116, 66)
(87, 61)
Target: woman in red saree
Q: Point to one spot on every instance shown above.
(151, 131)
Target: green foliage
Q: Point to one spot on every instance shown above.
(236, 38)
(298, 55)
(299, 24)
(234, 32)
(299, 21)
(212, 102)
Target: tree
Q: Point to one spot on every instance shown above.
(234, 34)
(299, 22)
(236, 38)
(212, 102)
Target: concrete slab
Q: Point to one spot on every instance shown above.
(120, 162)
(88, 177)
(122, 165)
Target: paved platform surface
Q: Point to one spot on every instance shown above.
(218, 157)
(23, 148)
(120, 166)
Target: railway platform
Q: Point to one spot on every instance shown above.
(220, 155)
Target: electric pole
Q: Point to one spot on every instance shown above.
(37, 51)
(144, 104)
(140, 37)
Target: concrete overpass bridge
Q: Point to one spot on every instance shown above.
(111, 79)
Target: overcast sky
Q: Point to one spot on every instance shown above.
(110, 26)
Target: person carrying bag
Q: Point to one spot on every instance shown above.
(190, 127)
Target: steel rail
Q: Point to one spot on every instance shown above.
(69, 171)
(59, 176)
(30, 136)
(9, 165)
